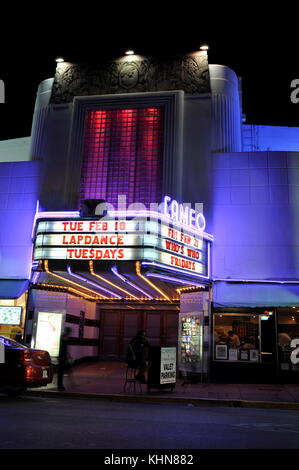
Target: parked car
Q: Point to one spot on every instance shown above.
(23, 367)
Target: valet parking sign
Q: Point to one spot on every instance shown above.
(168, 366)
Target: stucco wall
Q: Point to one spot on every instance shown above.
(18, 197)
(256, 215)
(43, 301)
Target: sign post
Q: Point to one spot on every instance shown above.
(162, 372)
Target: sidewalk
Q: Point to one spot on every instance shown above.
(106, 380)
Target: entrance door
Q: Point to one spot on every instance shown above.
(118, 327)
(268, 348)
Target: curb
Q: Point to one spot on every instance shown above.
(169, 399)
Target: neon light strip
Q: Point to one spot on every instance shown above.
(265, 281)
(34, 220)
(46, 266)
(124, 279)
(138, 271)
(91, 270)
(35, 277)
(141, 213)
(68, 289)
(52, 215)
(145, 213)
(160, 216)
(173, 279)
(187, 289)
(58, 215)
(82, 278)
(35, 264)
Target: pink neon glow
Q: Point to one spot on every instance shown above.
(58, 214)
(122, 154)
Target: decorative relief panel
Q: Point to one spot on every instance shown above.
(132, 74)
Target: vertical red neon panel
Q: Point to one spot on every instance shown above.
(123, 155)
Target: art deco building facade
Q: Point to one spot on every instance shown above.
(146, 128)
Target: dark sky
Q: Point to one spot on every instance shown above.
(266, 59)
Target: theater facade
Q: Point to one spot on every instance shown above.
(137, 207)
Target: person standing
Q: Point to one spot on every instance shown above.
(138, 355)
(233, 340)
(63, 359)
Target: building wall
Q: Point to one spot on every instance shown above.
(70, 307)
(50, 142)
(256, 137)
(196, 166)
(256, 215)
(15, 150)
(227, 109)
(19, 182)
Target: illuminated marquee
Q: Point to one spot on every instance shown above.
(123, 240)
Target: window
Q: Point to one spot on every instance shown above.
(236, 337)
(123, 155)
(287, 331)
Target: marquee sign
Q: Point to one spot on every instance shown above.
(138, 239)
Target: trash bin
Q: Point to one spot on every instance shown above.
(162, 372)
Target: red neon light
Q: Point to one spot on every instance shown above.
(123, 153)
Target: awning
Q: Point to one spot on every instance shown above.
(13, 288)
(242, 294)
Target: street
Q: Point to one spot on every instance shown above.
(34, 422)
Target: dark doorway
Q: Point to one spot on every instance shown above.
(118, 326)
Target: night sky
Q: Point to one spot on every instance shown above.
(266, 60)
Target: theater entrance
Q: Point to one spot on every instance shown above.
(119, 325)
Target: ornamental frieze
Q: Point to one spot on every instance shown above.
(131, 74)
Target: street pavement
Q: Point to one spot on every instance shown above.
(106, 380)
(56, 422)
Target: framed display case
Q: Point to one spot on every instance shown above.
(10, 315)
(244, 355)
(48, 332)
(236, 337)
(233, 354)
(190, 342)
(221, 352)
(253, 355)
